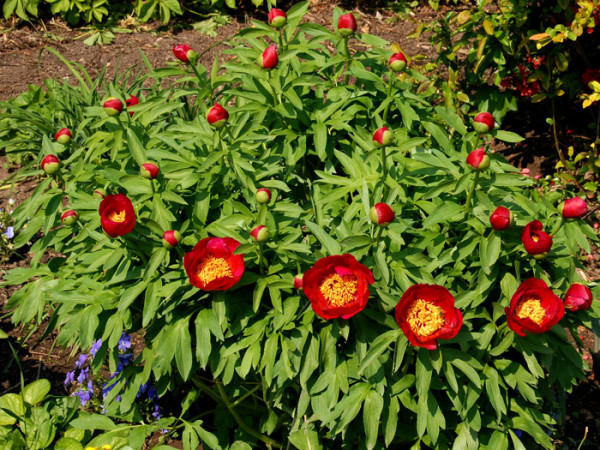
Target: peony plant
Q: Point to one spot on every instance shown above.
(430, 324)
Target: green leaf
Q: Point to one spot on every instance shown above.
(320, 137)
(507, 136)
(87, 421)
(36, 391)
(135, 147)
(372, 409)
(183, 349)
(304, 439)
(329, 244)
(379, 345)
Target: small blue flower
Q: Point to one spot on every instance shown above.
(84, 396)
(124, 360)
(124, 342)
(90, 385)
(83, 375)
(70, 378)
(107, 388)
(81, 360)
(152, 394)
(9, 233)
(118, 398)
(95, 347)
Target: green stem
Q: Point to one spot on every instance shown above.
(389, 96)
(246, 395)
(272, 89)
(559, 226)
(201, 80)
(378, 237)
(260, 258)
(153, 188)
(476, 141)
(267, 440)
(471, 191)
(135, 248)
(281, 39)
(384, 169)
(347, 63)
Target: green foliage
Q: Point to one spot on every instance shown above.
(257, 358)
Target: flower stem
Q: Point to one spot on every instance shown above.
(267, 440)
(281, 39)
(471, 191)
(261, 264)
(558, 227)
(384, 169)
(347, 63)
(378, 237)
(389, 96)
(201, 80)
(476, 141)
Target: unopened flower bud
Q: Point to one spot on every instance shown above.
(263, 195)
(483, 122)
(382, 214)
(382, 137)
(63, 136)
(298, 281)
(398, 62)
(217, 116)
(132, 101)
(50, 164)
(269, 58)
(277, 18)
(149, 170)
(347, 25)
(100, 193)
(260, 233)
(171, 238)
(69, 217)
(478, 159)
(113, 106)
(501, 219)
(185, 53)
(573, 208)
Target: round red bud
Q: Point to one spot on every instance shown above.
(398, 62)
(277, 18)
(260, 233)
(113, 106)
(381, 214)
(50, 164)
(149, 170)
(501, 219)
(483, 122)
(573, 208)
(382, 137)
(69, 217)
(184, 53)
(478, 159)
(171, 238)
(217, 116)
(269, 58)
(298, 281)
(100, 193)
(347, 25)
(132, 101)
(263, 195)
(63, 136)
(578, 298)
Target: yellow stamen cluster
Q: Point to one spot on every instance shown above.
(532, 309)
(212, 268)
(535, 238)
(425, 318)
(339, 290)
(118, 217)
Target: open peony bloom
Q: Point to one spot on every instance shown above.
(426, 313)
(212, 266)
(337, 286)
(117, 215)
(535, 240)
(534, 308)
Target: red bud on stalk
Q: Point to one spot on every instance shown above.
(501, 219)
(217, 116)
(478, 159)
(483, 123)
(50, 164)
(277, 18)
(260, 233)
(382, 214)
(132, 101)
(263, 195)
(347, 25)
(298, 281)
(63, 136)
(113, 106)
(69, 217)
(149, 170)
(398, 62)
(185, 53)
(171, 238)
(269, 58)
(382, 137)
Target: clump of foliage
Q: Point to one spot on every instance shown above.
(426, 316)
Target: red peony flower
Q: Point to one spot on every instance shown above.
(398, 62)
(132, 101)
(171, 238)
(298, 281)
(534, 308)
(63, 136)
(382, 214)
(212, 266)
(277, 18)
(117, 215)
(426, 313)
(501, 218)
(483, 122)
(382, 137)
(50, 164)
(578, 298)
(269, 58)
(573, 208)
(478, 159)
(535, 240)
(337, 286)
(184, 53)
(347, 24)
(217, 116)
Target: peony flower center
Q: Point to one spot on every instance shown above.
(532, 309)
(339, 290)
(211, 268)
(425, 318)
(118, 217)
(535, 238)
